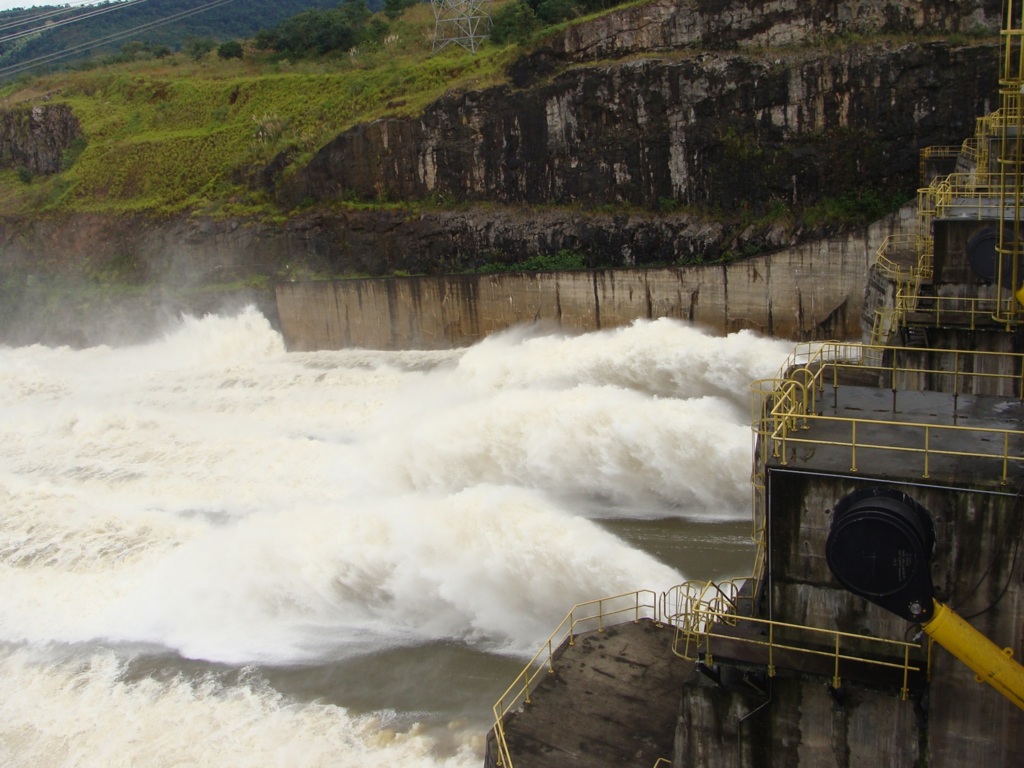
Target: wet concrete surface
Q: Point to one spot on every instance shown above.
(612, 700)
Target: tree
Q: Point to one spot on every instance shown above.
(315, 33)
(394, 8)
(199, 47)
(513, 23)
(232, 49)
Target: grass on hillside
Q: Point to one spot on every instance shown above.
(176, 135)
(173, 134)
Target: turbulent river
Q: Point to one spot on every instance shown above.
(215, 552)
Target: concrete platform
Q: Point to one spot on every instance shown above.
(612, 702)
(969, 454)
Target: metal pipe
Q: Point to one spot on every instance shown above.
(992, 664)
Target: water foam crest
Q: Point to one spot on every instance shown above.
(210, 494)
(663, 357)
(83, 712)
(493, 566)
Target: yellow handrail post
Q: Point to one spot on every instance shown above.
(1006, 457)
(904, 691)
(892, 374)
(783, 442)
(927, 440)
(835, 386)
(853, 446)
(836, 682)
(956, 374)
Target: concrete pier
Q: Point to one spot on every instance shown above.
(613, 699)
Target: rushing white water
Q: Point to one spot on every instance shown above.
(216, 552)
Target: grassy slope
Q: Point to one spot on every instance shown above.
(175, 135)
(172, 135)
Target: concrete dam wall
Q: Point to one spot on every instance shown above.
(813, 291)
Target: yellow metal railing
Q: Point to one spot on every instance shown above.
(786, 409)
(759, 527)
(972, 150)
(1012, 56)
(584, 617)
(935, 153)
(680, 602)
(920, 439)
(975, 194)
(906, 261)
(926, 197)
(888, 320)
(967, 195)
(705, 622)
(967, 312)
(824, 359)
(888, 261)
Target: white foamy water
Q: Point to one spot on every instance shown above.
(213, 551)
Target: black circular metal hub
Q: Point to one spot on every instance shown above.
(880, 546)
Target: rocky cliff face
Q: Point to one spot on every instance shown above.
(751, 106)
(750, 24)
(728, 130)
(190, 251)
(37, 137)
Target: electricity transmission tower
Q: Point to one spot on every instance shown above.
(463, 22)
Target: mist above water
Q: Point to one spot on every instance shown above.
(211, 497)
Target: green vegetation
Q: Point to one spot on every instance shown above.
(174, 132)
(220, 23)
(316, 33)
(854, 208)
(232, 49)
(514, 22)
(560, 261)
(190, 129)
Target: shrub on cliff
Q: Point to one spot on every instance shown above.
(514, 23)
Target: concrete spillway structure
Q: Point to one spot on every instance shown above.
(812, 291)
(797, 670)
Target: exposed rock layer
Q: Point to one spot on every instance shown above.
(36, 138)
(726, 131)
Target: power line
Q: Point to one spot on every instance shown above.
(114, 37)
(19, 17)
(46, 16)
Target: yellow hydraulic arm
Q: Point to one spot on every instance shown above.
(992, 664)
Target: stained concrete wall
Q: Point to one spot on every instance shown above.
(794, 723)
(975, 570)
(813, 291)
